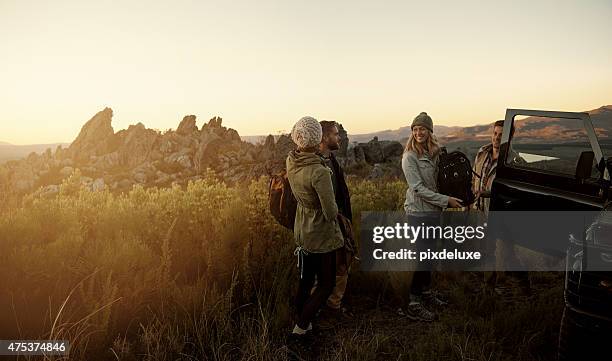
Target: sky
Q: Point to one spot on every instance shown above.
(261, 65)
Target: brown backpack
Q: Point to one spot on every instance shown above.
(283, 204)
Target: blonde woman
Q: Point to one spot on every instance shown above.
(423, 206)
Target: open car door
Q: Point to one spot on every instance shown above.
(537, 171)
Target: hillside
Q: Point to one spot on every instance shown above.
(10, 152)
(400, 133)
(542, 129)
(389, 134)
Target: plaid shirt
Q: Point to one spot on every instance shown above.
(485, 166)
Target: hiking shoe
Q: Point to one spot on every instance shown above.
(432, 298)
(417, 311)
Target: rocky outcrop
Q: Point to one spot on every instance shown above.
(137, 155)
(344, 142)
(187, 125)
(374, 159)
(96, 137)
(137, 144)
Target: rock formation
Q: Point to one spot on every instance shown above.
(138, 155)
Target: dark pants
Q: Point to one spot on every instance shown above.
(407, 284)
(321, 266)
(421, 280)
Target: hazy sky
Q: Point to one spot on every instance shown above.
(261, 65)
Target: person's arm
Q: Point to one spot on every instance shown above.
(412, 173)
(322, 183)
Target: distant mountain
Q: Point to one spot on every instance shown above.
(11, 152)
(535, 128)
(389, 134)
(399, 134)
(543, 129)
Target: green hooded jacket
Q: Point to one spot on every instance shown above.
(316, 229)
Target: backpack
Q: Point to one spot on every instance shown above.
(283, 204)
(455, 176)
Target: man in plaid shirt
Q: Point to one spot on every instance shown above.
(485, 166)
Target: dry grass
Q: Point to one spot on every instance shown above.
(204, 273)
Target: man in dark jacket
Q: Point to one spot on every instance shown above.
(330, 142)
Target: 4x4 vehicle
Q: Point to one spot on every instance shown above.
(565, 170)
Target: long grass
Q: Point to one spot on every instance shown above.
(205, 273)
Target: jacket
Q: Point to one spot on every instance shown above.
(316, 228)
(422, 195)
(343, 198)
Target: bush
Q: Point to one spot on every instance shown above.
(201, 272)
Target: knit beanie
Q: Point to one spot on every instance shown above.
(423, 120)
(307, 133)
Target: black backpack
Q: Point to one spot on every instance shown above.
(455, 176)
(283, 204)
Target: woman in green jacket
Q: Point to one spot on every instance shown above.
(316, 231)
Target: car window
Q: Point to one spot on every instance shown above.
(602, 130)
(548, 144)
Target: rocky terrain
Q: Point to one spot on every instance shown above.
(138, 155)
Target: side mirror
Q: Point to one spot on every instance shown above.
(585, 165)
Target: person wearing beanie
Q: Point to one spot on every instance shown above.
(307, 133)
(316, 231)
(423, 205)
(423, 120)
